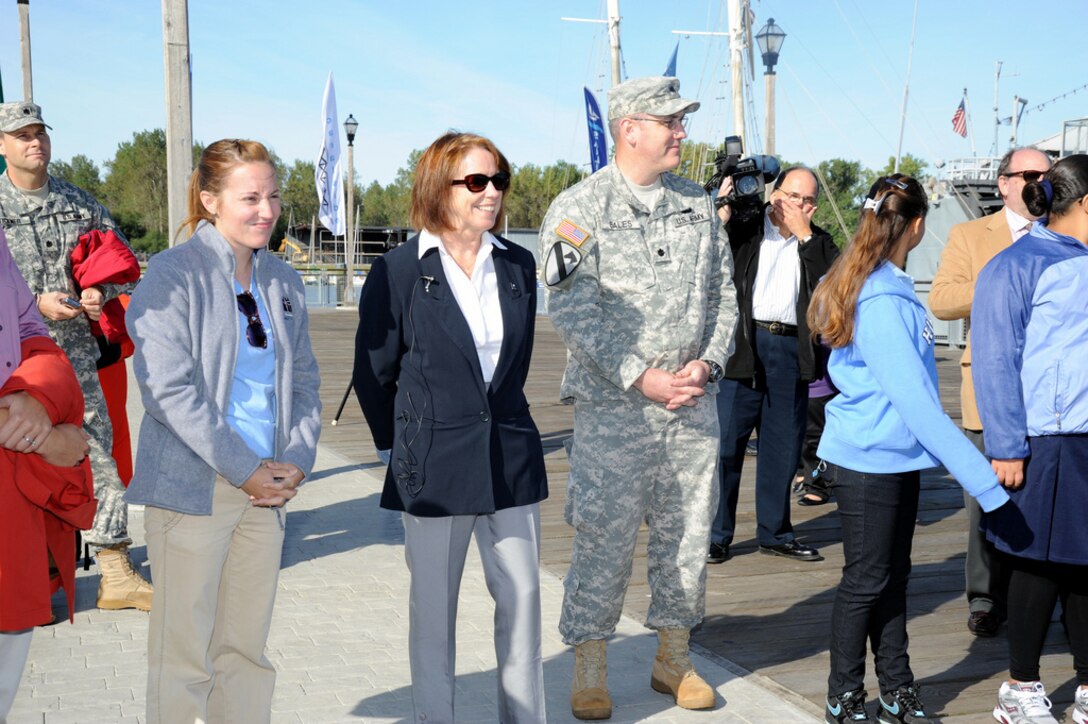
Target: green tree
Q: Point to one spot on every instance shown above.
(135, 188)
(843, 185)
(298, 191)
(395, 200)
(80, 171)
(376, 205)
(533, 189)
(908, 165)
(697, 161)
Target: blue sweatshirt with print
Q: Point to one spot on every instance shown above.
(888, 417)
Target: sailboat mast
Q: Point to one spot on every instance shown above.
(906, 90)
(736, 46)
(614, 39)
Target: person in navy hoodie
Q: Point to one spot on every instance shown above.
(885, 427)
(1029, 327)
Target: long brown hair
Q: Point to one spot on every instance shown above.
(216, 163)
(438, 165)
(892, 204)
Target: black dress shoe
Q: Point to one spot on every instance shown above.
(793, 549)
(718, 553)
(983, 623)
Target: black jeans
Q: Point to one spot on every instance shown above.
(877, 512)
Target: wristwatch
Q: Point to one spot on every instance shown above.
(716, 371)
(806, 240)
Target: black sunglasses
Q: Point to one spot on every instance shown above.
(1028, 176)
(477, 182)
(255, 335)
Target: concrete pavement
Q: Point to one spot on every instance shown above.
(339, 636)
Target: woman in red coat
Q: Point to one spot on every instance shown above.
(45, 480)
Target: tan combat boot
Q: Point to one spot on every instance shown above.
(120, 585)
(674, 673)
(589, 697)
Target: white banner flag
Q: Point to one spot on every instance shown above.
(328, 173)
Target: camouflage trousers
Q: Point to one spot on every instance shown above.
(630, 461)
(111, 519)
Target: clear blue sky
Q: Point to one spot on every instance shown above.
(514, 71)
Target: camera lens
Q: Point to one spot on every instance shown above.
(747, 185)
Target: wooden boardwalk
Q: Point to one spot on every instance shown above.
(767, 615)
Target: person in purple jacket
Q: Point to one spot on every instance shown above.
(885, 427)
(1029, 330)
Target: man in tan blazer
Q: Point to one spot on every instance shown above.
(970, 246)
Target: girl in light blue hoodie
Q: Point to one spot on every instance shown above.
(885, 426)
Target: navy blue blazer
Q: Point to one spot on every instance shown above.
(458, 448)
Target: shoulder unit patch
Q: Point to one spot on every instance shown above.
(562, 260)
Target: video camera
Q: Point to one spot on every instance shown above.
(750, 178)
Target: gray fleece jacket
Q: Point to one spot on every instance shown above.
(183, 318)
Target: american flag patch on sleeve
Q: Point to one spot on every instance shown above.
(572, 232)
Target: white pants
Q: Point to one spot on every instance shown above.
(435, 548)
(14, 648)
(215, 584)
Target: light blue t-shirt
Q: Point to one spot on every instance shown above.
(252, 408)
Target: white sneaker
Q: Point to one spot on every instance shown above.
(1023, 703)
(1080, 706)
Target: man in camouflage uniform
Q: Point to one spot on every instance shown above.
(639, 280)
(43, 218)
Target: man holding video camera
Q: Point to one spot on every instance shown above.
(779, 256)
(44, 218)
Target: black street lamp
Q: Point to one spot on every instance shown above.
(770, 38)
(350, 127)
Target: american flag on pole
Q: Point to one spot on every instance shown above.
(327, 170)
(959, 120)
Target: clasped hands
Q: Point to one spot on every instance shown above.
(25, 427)
(675, 390)
(273, 484)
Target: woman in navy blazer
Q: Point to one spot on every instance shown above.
(442, 354)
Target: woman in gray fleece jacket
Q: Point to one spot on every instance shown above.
(232, 417)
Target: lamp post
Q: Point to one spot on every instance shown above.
(770, 38)
(350, 127)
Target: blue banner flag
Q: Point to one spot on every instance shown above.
(670, 71)
(598, 147)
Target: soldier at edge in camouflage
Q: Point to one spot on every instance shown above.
(43, 218)
(638, 275)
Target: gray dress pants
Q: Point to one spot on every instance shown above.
(435, 549)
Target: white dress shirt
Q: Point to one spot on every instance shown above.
(778, 276)
(1018, 225)
(477, 296)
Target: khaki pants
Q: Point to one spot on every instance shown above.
(215, 584)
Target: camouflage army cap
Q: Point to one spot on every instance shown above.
(14, 116)
(656, 96)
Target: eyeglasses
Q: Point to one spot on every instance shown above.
(673, 123)
(1028, 176)
(902, 186)
(255, 335)
(477, 182)
(799, 199)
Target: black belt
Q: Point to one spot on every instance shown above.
(779, 328)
